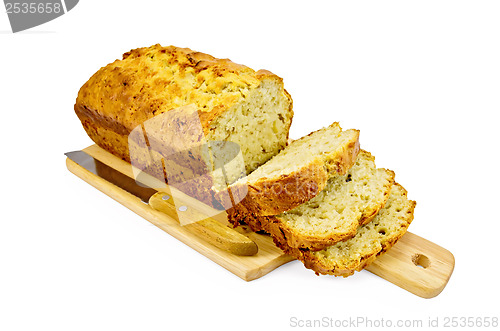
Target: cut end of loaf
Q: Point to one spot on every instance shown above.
(259, 124)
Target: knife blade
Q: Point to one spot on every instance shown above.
(208, 229)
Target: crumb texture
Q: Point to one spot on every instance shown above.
(346, 202)
(300, 171)
(344, 258)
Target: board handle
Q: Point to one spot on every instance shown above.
(208, 229)
(416, 265)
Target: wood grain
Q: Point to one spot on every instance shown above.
(414, 263)
(248, 268)
(207, 228)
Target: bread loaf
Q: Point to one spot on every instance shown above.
(321, 199)
(299, 172)
(234, 103)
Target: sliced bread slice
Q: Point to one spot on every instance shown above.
(371, 240)
(298, 173)
(334, 215)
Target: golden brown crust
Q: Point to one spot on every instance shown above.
(273, 196)
(294, 239)
(311, 261)
(152, 80)
(345, 158)
(298, 240)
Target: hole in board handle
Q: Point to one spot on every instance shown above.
(421, 261)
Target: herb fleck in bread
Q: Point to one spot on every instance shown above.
(371, 240)
(347, 202)
(299, 172)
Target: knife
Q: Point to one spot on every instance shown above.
(208, 229)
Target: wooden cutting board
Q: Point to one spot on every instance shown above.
(414, 263)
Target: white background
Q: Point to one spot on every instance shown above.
(420, 79)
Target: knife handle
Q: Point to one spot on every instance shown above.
(208, 229)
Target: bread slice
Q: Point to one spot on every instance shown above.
(371, 240)
(298, 173)
(334, 215)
